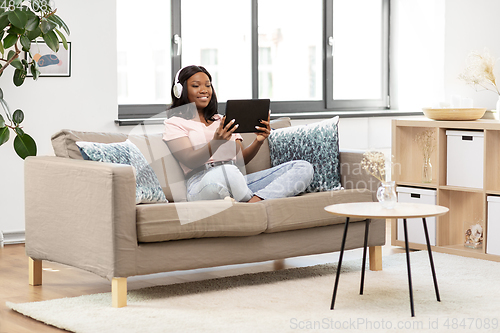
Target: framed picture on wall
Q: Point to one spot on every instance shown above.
(49, 62)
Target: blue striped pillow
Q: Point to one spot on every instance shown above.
(148, 188)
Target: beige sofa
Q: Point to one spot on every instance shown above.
(83, 214)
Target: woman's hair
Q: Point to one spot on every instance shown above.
(187, 113)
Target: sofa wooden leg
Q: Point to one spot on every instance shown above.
(119, 292)
(35, 272)
(279, 264)
(375, 258)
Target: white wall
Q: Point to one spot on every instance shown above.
(417, 53)
(430, 42)
(84, 101)
(87, 100)
(470, 25)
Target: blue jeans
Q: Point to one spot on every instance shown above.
(284, 180)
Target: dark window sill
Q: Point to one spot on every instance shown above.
(292, 115)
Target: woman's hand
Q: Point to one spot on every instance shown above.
(225, 133)
(264, 131)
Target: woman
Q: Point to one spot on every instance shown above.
(209, 152)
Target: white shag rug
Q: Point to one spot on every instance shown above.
(298, 300)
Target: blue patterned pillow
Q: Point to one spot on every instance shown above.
(315, 143)
(148, 188)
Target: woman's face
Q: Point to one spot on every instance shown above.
(199, 90)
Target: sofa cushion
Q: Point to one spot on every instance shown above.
(207, 218)
(64, 141)
(316, 143)
(261, 161)
(148, 189)
(307, 211)
(151, 146)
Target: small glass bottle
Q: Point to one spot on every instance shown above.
(427, 171)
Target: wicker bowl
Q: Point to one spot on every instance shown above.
(454, 113)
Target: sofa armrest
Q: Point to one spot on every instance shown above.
(352, 175)
(81, 213)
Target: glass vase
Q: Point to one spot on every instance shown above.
(427, 171)
(386, 194)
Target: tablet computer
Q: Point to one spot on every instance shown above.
(247, 113)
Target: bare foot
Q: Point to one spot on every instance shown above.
(255, 199)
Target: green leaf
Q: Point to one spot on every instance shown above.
(34, 70)
(18, 116)
(26, 43)
(51, 40)
(18, 18)
(5, 107)
(17, 63)
(36, 74)
(28, 12)
(4, 135)
(19, 76)
(64, 41)
(32, 23)
(25, 146)
(34, 34)
(47, 26)
(19, 131)
(2, 122)
(15, 30)
(2, 50)
(4, 21)
(61, 23)
(9, 41)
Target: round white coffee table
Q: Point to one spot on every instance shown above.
(374, 210)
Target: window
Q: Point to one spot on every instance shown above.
(143, 72)
(308, 57)
(265, 73)
(217, 35)
(357, 72)
(209, 58)
(288, 40)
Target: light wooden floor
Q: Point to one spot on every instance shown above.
(63, 281)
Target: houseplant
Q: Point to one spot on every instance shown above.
(480, 73)
(21, 23)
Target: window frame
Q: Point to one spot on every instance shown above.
(129, 114)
